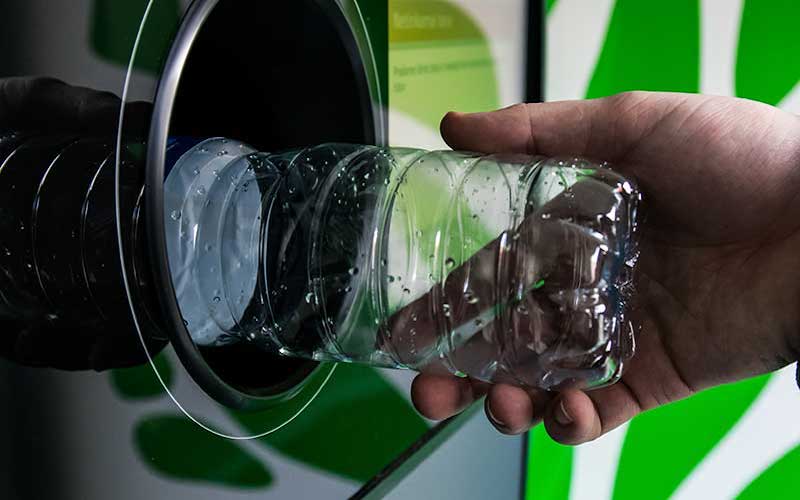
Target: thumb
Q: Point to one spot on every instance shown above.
(585, 127)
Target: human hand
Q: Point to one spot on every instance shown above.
(718, 291)
(42, 106)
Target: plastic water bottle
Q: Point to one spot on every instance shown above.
(511, 269)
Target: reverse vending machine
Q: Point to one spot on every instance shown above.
(106, 390)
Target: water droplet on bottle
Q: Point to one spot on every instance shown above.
(348, 289)
(470, 297)
(383, 262)
(446, 309)
(418, 232)
(414, 317)
(208, 247)
(406, 291)
(478, 322)
(175, 215)
(390, 278)
(185, 322)
(217, 300)
(310, 297)
(546, 216)
(449, 262)
(386, 181)
(522, 309)
(7, 252)
(353, 271)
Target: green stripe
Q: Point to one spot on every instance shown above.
(549, 467)
(768, 59)
(666, 444)
(779, 482)
(650, 46)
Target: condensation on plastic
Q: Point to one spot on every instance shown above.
(189, 398)
(510, 269)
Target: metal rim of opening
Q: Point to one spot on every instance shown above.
(167, 88)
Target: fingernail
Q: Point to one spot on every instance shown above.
(494, 420)
(561, 415)
(454, 115)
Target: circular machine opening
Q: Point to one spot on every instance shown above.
(275, 75)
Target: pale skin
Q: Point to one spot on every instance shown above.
(719, 274)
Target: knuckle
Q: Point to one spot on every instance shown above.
(627, 98)
(41, 85)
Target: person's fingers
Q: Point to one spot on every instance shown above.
(50, 105)
(513, 410)
(550, 129)
(605, 128)
(576, 417)
(441, 396)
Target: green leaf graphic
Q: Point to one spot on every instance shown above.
(175, 447)
(666, 444)
(375, 15)
(549, 470)
(115, 24)
(550, 4)
(439, 60)
(768, 66)
(780, 481)
(649, 48)
(354, 428)
(140, 382)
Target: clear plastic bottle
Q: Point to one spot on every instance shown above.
(503, 268)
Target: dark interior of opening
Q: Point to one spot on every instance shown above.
(275, 75)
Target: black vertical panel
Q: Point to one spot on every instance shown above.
(534, 92)
(534, 60)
